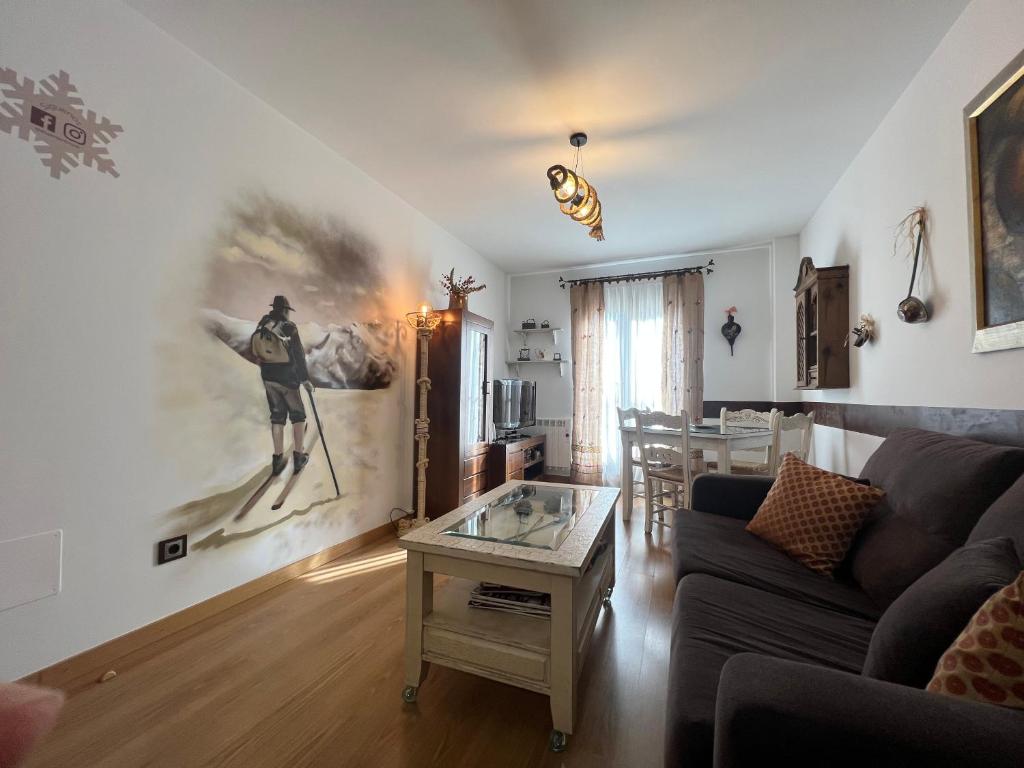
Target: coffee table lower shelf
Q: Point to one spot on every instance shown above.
(539, 654)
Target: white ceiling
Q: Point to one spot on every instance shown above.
(711, 122)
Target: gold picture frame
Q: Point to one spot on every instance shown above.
(997, 325)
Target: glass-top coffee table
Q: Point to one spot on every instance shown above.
(552, 538)
(527, 515)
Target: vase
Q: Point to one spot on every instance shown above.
(458, 301)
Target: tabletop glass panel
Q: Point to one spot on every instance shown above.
(527, 516)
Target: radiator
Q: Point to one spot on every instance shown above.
(556, 435)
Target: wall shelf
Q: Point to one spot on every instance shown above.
(517, 363)
(525, 332)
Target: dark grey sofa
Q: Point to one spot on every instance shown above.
(766, 655)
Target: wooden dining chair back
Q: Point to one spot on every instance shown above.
(802, 422)
(746, 417)
(632, 462)
(665, 460)
(747, 462)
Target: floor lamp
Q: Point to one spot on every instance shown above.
(424, 321)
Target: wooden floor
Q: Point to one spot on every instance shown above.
(310, 674)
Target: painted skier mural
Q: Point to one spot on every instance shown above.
(293, 314)
(278, 348)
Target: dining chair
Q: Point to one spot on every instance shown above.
(750, 463)
(632, 462)
(665, 461)
(804, 422)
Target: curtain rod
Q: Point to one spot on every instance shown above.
(562, 282)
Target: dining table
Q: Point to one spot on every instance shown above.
(708, 437)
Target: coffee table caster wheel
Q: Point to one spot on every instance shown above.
(558, 742)
(409, 694)
(607, 600)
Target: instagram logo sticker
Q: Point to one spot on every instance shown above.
(74, 134)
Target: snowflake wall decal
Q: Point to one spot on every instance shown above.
(53, 118)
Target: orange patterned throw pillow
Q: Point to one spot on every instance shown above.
(986, 663)
(812, 515)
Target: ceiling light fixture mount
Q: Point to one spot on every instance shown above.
(576, 197)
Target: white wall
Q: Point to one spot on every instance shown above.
(741, 277)
(917, 156)
(784, 264)
(88, 261)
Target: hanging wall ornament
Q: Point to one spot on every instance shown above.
(731, 329)
(911, 230)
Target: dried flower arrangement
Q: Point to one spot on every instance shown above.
(458, 290)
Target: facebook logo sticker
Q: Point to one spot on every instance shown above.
(43, 119)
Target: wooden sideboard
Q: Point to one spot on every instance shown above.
(521, 459)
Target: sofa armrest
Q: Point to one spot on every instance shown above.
(736, 496)
(776, 712)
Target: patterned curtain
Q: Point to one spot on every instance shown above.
(587, 303)
(682, 383)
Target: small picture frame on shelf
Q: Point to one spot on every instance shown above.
(557, 357)
(524, 354)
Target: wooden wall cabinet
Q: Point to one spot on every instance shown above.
(822, 325)
(459, 410)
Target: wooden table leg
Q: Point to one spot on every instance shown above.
(419, 601)
(564, 664)
(724, 459)
(626, 483)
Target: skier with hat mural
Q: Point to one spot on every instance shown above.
(278, 349)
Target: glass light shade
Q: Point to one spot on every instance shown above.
(587, 208)
(583, 193)
(594, 217)
(423, 318)
(564, 183)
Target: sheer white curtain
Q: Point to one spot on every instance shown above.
(633, 359)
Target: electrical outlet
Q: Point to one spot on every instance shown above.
(171, 549)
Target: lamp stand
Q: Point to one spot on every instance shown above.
(405, 525)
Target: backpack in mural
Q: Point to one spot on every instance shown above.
(269, 344)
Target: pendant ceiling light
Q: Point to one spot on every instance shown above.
(576, 197)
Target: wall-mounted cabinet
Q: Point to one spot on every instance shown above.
(822, 324)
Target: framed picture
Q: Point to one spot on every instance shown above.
(994, 129)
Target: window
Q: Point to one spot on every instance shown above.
(633, 359)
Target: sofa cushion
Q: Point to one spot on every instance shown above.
(1004, 518)
(922, 622)
(937, 487)
(712, 620)
(812, 515)
(986, 663)
(719, 546)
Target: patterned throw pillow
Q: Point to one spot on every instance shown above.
(812, 515)
(986, 663)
